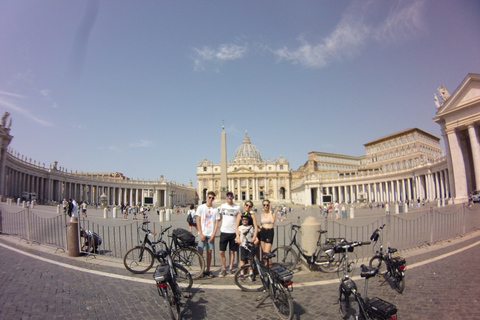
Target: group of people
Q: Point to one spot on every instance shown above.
(71, 208)
(237, 228)
(134, 210)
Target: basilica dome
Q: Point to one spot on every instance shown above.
(247, 152)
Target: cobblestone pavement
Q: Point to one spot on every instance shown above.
(31, 288)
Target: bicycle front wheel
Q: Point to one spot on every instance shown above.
(191, 259)
(283, 302)
(378, 262)
(286, 256)
(171, 303)
(247, 283)
(344, 302)
(183, 277)
(328, 263)
(138, 259)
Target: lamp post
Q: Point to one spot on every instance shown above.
(171, 197)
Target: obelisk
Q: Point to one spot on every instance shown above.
(223, 164)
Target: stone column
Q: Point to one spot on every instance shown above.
(458, 164)
(474, 144)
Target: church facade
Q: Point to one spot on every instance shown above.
(249, 176)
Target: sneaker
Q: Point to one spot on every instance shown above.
(231, 272)
(208, 274)
(223, 273)
(241, 277)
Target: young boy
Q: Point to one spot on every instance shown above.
(246, 232)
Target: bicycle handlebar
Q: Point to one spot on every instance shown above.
(352, 244)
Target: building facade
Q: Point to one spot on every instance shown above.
(249, 176)
(459, 118)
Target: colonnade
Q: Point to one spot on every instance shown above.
(422, 186)
(55, 185)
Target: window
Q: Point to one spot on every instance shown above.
(204, 169)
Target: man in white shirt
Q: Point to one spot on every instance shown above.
(207, 223)
(228, 215)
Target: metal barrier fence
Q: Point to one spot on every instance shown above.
(29, 226)
(403, 232)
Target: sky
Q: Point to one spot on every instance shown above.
(144, 87)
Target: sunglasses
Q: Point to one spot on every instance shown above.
(247, 205)
(211, 198)
(229, 196)
(266, 205)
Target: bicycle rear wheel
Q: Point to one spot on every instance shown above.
(170, 301)
(399, 282)
(138, 259)
(191, 259)
(286, 256)
(283, 302)
(247, 283)
(183, 277)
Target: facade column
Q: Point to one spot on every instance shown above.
(458, 164)
(474, 144)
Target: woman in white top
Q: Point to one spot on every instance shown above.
(266, 232)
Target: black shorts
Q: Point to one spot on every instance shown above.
(266, 235)
(245, 255)
(228, 238)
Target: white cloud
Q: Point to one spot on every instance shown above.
(140, 144)
(401, 23)
(351, 34)
(214, 57)
(13, 105)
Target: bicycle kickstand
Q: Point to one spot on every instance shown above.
(262, 300)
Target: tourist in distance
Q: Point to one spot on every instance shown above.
(207, 223)
(191, 213)
(228, 214)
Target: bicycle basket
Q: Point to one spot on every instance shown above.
(381, 308)
(161, 273)
(283, 274)
(185, 238)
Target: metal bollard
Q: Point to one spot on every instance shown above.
(105, 213)
(160, 215)
(168, 215)
(114, 212)
(72, 237)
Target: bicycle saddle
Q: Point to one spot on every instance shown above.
(268, 255)
(322, 231)
(392, 250)
(367, 272)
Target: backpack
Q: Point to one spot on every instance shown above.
(184, 237)
(189, 217)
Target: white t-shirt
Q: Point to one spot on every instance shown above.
(249, 236)
(208, 217)
(229, 217)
